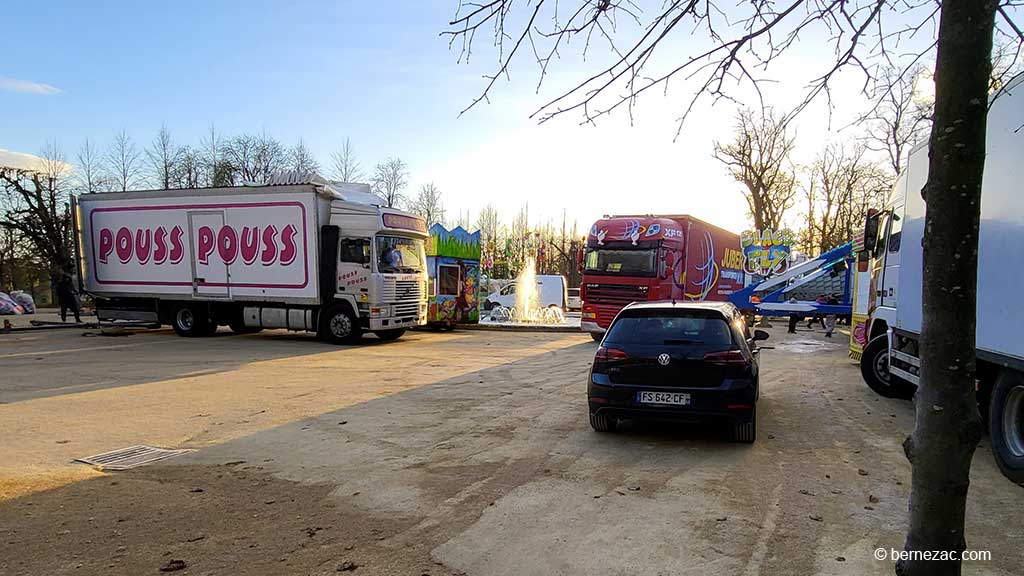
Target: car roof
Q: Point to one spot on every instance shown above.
(725, 308)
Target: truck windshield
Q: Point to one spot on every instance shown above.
(399, 254)
(622, 262)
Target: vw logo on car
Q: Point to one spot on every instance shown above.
(664, 359)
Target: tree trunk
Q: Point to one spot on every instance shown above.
(947, 426)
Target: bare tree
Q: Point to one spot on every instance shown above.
(10, 251)
(302, 160)
(89, 172)
(123, 162)
(844, 183)
(216, 169)
(759, 158)
(428, 204)
(390, 178)
(734, 50)
(491, 237)
(188, 168)
(254, 158)
(899, 116)
(37, 208)
(346, 165)
(163, 160)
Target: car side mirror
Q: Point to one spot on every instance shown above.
(760, 335)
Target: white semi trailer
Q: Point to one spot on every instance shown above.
(297, 253)
(890, 362)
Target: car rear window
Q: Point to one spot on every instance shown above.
(670, 329)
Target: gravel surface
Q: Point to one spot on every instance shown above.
(444, 453)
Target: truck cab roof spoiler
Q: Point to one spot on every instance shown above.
(334, 189)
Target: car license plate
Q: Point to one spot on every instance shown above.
(673, 398)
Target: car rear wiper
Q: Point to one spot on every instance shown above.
(682, 341)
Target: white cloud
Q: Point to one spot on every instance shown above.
(26, 86)
(24, 161)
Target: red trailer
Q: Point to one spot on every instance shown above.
(642, 258)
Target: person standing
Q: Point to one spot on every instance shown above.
(830, 319)
(67, 298)
(793, 318)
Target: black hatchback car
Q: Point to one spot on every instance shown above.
(677, 361)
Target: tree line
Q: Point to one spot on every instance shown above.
(36, 241)
(846, 177)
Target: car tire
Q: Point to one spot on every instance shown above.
(339, 325)
(488, 306)
(874, 367)
(602, 423)
(1006, 424)
(189, 321)
(745, 432)
(596, 336)
(389, 335)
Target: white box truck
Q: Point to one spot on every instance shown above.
(297, 253)
(890, 363)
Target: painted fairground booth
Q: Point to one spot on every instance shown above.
(453, 263)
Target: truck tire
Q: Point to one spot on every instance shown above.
(389, 335)
(874, 367)
(339, 325)
(596, 336)
(190, 321)
(745, 432)
(1006, 424)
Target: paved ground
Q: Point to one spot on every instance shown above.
(443, 453)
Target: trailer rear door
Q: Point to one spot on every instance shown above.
(209, 274)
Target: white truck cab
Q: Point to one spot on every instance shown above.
(890, 361)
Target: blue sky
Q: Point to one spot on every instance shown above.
(377, 73)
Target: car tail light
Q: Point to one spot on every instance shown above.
(730, 357)
(610, 355)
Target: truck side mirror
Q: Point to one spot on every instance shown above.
(871, 231)
(668, 259)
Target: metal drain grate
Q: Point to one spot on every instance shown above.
(129, 457)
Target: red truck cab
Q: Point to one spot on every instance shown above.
(646, 258)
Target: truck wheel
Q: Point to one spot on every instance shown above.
(874, 367)
(1006, 424)
(189, 321)
(388, 335)
(745, 432)
(597, 336)
(340, 326)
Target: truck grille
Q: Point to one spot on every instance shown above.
(403, 310)
(610, 298)
(400, 291)
(615, 294)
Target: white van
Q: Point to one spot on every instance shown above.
(552, 290)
